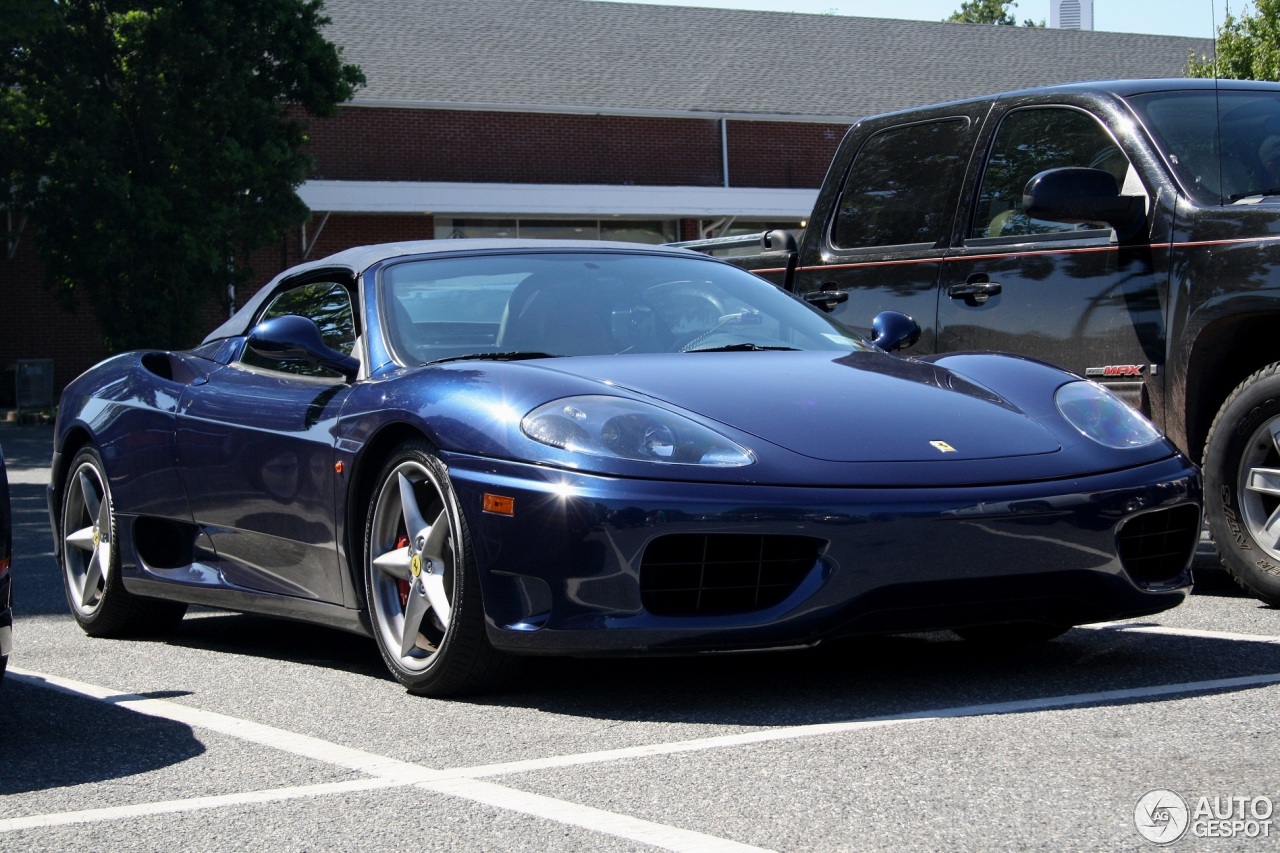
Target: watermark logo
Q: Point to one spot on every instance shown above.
(1161, 816)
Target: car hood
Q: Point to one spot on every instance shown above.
(851, 407)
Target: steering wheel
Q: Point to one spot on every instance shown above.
(685, 311)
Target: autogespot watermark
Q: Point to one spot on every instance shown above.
(1163, 817)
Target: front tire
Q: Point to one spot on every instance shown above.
(421, 581)
(91, 562)
(1242, 484)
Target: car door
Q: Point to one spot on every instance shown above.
(1069, 293)
(256, 450)
(891, 219)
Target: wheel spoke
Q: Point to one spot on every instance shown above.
(434, 584)
(413, 520)
(437, 536)
(394, 564)
(1264, 480)
(94, 574)
(89, 494)
(1269, 532)
(81, 540)
(1274, 428)
(414, 610)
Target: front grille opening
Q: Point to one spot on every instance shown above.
(1155, 547)
(696, 574)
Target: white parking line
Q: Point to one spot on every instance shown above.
(324, 751)
(1185, 632)
(191, 804)
(466, 782)
(387, 772)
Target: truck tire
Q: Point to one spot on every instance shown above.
(1242, 484)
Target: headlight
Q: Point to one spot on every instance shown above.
(1102, 416)
(627, 429)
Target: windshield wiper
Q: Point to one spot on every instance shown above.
(1254, 193)
(741, 348)
(493, 356)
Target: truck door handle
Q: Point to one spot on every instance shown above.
(976, 290)
(827, 296)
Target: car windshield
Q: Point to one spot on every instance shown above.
(536, 304)
(1224, 145)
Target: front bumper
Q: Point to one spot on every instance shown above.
(565, 571)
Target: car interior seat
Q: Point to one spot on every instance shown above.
(560, 314)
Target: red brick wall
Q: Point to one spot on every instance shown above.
(33, 325)
(382, 144)
(375, 144)
(777, 154)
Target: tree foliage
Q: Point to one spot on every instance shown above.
(989, 12)
(1248, 47)
(156, 143)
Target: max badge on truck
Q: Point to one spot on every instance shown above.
(1117, 370)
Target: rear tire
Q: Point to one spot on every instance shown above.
(91, 562)
(1242, 484)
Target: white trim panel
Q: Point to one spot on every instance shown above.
(592, 200)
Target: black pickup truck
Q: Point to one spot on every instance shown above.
(1129, 231)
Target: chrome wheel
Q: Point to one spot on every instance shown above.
(1242, 484)
(412, 565)
(88, 532)
(1259, 487)
(421, 581)
(91, 559)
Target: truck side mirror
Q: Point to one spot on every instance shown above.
(777, 241)
(1077, 194)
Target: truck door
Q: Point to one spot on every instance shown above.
(890, 220)
(1070, 294)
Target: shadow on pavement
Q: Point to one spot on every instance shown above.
(93, 740)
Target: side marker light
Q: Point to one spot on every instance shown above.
(499, 504)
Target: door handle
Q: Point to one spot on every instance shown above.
(976, 290)
(827, 297)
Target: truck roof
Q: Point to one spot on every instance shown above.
(1106, 88)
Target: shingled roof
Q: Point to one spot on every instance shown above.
(577, 56)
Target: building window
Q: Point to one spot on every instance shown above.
(627, 230)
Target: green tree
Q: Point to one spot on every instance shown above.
(1248, 47)
(989, 12)
(157, 143)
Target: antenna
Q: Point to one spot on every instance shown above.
(1217, 96)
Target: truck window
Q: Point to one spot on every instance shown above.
(1223, 145)
(1030, 141)
(901, 188)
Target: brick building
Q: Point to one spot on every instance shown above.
(603, 120)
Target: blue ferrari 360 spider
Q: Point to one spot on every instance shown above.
(473, 450)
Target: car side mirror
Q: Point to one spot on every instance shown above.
(294, 338)
(1076, 194)
(894, 330)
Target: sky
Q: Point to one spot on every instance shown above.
(1196, 18)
